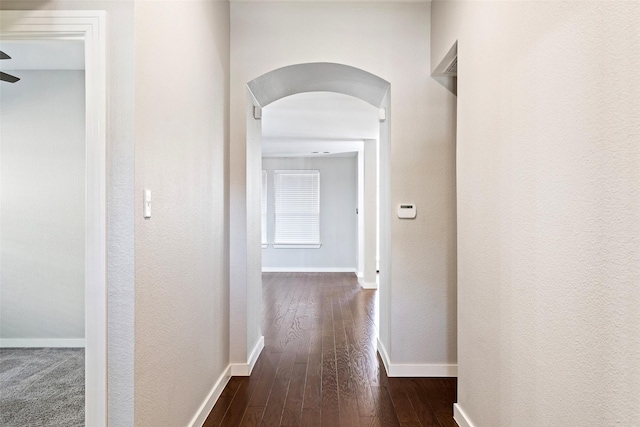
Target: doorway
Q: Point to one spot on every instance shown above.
(42, 210)
(246, 266)
(86, 30)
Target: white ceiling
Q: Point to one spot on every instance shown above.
(317, 124)
(42, 55)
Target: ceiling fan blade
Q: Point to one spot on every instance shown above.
(8, 77)
(4, 55)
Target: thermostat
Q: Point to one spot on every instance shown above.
(406, 211)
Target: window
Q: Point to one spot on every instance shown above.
(297, 209)
(264, 209)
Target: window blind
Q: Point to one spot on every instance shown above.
(297, 207)
(264, 207)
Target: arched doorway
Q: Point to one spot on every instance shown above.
(246, 340)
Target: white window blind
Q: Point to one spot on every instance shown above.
(264, 207)
(297, 208)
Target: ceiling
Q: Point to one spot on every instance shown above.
(317, 124)
(42, 55)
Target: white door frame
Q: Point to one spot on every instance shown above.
(88, 26)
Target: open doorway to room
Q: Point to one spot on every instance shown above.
(52, 219)
(246, 271)
(319, 222)
(42, 221)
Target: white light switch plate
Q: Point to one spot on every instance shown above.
(147, 203)
(407, 211)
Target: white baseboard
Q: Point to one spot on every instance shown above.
(308, 270)
(367, 285)
(418, 370)
(42, 342)
(244, 369)
(425, 370)
(255, 353)
(205, 409)
(461, 417)
(384, 356)
(360, 274)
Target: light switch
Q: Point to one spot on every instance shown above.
(147, 203)
(407, 211)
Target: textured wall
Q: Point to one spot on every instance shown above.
(338, 219)
(42, 205)
(392, 42)
(182, 317)
(548, 210)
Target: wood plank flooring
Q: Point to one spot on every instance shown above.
(320, 366)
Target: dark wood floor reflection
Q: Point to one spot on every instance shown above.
(320, 367)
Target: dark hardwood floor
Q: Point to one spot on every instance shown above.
(320, 366)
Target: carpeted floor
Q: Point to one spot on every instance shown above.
(41, 387)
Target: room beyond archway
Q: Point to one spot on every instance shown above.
(336, 136)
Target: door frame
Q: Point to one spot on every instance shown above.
(89, 26)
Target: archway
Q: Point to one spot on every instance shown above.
(246, 266)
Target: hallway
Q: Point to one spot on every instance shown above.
(320, 367)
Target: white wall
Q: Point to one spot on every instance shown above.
(369, 210)
(42, 208)
(205, 94)
(338, 219)
(392, 42)
(182, 293)
(548, 210)
(120, 191)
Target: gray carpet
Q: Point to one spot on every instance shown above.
(41, 387)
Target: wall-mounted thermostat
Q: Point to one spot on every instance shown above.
(406, 211)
